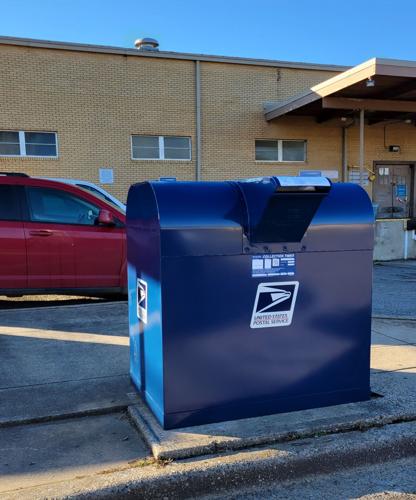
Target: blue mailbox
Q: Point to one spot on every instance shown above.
(248, 297)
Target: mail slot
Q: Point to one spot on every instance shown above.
(248, 297)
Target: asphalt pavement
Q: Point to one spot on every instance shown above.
(394, 289)
(395, 480)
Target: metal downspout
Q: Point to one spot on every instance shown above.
(361, 147)
(198, 120)
(344, 150)
(344, 154)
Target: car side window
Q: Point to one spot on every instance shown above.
(97, 193)
(9, 203)
(61, 207)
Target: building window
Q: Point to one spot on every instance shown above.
(281, 150)
(21, 143)
(153, 147)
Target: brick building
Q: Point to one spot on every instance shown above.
(69, 110)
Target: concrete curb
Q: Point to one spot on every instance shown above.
(166, 445)
(94, 304)
(53, 417)
(397, 318)
(287, 461)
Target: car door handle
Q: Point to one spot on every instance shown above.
(41, 232)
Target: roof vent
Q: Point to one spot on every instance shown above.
(146, 44)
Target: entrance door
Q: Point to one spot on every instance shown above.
(393, 191)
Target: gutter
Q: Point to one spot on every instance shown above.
(105, 49)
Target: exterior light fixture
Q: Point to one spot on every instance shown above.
(394, 148)
(370, 82)
(371, 175)
(408, 120)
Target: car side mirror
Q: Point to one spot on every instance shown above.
(106, 218)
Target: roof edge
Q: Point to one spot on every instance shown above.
(104, 49)
(354, 74)
(367, 69)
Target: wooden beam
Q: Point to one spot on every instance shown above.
(369, 104)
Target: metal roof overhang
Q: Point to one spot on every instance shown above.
(393, 95)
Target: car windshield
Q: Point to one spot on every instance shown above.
(101, 195)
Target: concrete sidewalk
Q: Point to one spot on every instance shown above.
(44, 453)
(48, 355)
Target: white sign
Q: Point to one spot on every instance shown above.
(142, 300)
(106, 175)
(274, 304)
(302, 181)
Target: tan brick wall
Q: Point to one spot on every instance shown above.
(376, 144)
(399, 133)
(232, 118)
(96, 101)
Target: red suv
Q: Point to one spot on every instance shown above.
(57, 238)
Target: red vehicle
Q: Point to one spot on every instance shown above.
(57, 238)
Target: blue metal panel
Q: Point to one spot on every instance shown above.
(146, 337)
(199, 218)
(226, 368)
(136, 354)
(223, 342)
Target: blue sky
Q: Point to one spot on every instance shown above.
(327, 31)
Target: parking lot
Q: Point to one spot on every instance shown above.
(71, 359)
(394, 289)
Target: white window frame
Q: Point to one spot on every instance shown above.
(161, 139)
(22, 144)
(280, 151)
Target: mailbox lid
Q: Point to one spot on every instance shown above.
(311, 214)
(280, 209)
(194, 218)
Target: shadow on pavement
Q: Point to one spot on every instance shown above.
(63, 360)
(29, 301)
(103, 318)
